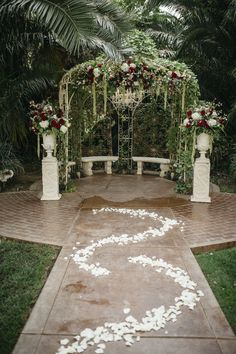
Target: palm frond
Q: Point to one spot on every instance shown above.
(72, 22)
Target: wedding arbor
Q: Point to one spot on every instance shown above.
(94, 92)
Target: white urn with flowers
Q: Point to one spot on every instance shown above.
(202, 124)
(48, 122)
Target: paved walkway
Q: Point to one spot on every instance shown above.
(74, 299)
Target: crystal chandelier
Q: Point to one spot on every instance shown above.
(127, 99)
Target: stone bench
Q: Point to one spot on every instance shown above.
(164, 164)
(87, 163)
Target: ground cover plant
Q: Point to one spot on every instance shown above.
(219, 267)
(24, 268)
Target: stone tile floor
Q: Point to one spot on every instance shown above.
(73, 299)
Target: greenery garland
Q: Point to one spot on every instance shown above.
(170, 83)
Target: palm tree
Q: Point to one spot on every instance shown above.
(73, 23)
(204, 39)
(37, 38)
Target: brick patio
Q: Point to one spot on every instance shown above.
(72, 299)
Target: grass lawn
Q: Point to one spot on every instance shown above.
(24, 268)
(219, 268)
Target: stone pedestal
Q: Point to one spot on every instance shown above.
(201, 172)
(201, 181)
(50, 178)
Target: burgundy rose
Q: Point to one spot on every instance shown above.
(174, 75)
(55, 124)
(203, 113)
(201, 123)
(188, 125)
(99, 65)
(189, 114)
(43, 116)
(62, 121)
(131, 69)
(129, 61)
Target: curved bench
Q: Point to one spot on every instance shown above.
(87, 163)
(164, 164)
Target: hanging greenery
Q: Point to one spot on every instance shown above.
(168, 86)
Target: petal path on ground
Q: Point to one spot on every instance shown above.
(155, 318)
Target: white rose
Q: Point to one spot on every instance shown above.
(212, 122)
(44, 124)
(196, 116)
(47, 107)
(186, 121)
(96, 72)
(63, 129)
(124, 67)
(214, 114)
(54, 116)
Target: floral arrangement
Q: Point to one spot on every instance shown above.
(132, 73)
(45, 119)
(162, 77)
(207, 118)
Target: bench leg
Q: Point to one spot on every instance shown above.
(164, 169)
(108, 165)
(140, 167)
(87, 168)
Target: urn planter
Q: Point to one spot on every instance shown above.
(49, 143)
(203, 144)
